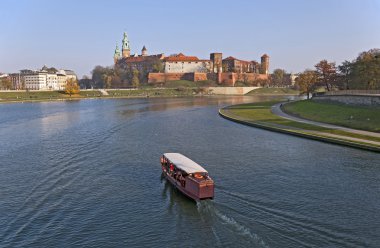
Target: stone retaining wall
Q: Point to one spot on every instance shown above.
(230, 90)
(350, 99)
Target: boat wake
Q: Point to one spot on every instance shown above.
(222, 225)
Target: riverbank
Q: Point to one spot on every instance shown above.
(351, 116)
(260, 115)
(274, 91)
(36, 96)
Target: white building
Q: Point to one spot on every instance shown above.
(34, 80)
(61, 77)
(185, 64)
(45, 79)
(52, 81)
(70, 75)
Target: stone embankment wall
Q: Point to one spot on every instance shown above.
(365, 100)
(230, 90)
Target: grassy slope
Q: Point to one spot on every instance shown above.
(31, 95)
(55, 95)
(357, 117)
(261, 113)
(274, 91)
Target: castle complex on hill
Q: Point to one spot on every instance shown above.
(179, 66)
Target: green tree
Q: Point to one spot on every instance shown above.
(326, 72)
(345, 70)
(306, 82)
(278, 77)
(365, 71)
(158, 65)
(5, 83)
(135, 79)
(71, 87)
(107, 79)
(98, 75)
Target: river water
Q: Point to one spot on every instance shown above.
(87, 174)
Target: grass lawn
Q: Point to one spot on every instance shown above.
(90, 93)
(261, 113)
(357, 117)
(32, 95)
(274, 91)
(59, 95)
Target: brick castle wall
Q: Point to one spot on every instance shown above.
(230, 78)
(224, 78)
(154, 78)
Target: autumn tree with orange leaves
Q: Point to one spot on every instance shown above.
(71, 87)
(326, 72)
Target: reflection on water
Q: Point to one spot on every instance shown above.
(87, 174)
(162, 104)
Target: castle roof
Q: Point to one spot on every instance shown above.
(144, 48)
(181, 57)
(142, 58)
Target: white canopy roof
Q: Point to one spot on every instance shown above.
(184, 163)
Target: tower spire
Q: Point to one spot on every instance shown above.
(126, 51)
(116, 55)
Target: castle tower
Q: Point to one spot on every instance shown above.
(216, 59)
(126, 51)
(144, 51)
(264, 64)
(116, 55)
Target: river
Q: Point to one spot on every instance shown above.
(87, 174)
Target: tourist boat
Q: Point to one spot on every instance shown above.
(187, 176)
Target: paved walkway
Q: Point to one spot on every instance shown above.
(276, 109)
(103, 92)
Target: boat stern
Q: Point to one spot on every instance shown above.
(206, 190)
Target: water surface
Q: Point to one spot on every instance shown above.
(87, 174)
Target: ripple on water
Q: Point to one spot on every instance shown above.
(92, 179)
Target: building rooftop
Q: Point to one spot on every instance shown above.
(142, 58)
(181, 57)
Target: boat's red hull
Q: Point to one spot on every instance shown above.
(201, 195)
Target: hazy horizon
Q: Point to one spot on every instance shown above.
(295, 34)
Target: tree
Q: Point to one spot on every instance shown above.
(85, 83)
(98, 75)
(306, 81)
(107, 79)
(278, 77)
(326, 72)
(71, 87)
(135, 79)
(345, 70)
(365, 71)
(5, 83)
(158, 65)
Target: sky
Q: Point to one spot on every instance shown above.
(80, 34)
